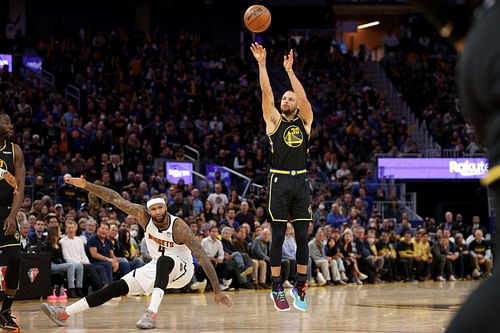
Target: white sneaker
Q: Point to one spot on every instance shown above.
(476, 273)
(440, 278)
(363, 276)
(343, 277)
(287, 284)
(312, 283)
(227, 283)
(199, 286)
(223, 287)
(452, 278)
(358, 281)
(321, 279)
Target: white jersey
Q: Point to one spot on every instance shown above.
(161, 242)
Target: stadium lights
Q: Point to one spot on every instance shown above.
(368, 25)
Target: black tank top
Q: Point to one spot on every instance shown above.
(7, 157)
(289, 145)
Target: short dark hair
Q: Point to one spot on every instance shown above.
(103, 223)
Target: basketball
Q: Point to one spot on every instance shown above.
(257, 18)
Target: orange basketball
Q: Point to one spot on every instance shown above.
(257, 18)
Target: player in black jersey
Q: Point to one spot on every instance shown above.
(11, 197)
(472, 26)
(289, 193)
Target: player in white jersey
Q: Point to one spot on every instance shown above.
(170, 243)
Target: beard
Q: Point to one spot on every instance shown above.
(288, 112)
(160, 219)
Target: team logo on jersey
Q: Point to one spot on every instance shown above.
(293, 136)
(33, 273)
(3, 165)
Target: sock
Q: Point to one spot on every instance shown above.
(7, 302)
(301, 280)
(156, 298)
(77, 307)
(276, 281)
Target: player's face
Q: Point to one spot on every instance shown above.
(6, 128)
(288, 103)
(158, 212)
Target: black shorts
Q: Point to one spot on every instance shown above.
(289, 198)
(10, 240)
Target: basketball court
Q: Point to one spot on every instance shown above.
(397, 307)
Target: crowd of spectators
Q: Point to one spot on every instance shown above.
(146, 96)
(422, 66)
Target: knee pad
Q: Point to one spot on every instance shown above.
(164, 267)
(114, 289)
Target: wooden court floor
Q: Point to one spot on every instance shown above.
(386, 308)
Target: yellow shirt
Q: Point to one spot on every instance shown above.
(421, 248)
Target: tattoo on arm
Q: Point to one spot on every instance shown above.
(117, 200)
(184, 234)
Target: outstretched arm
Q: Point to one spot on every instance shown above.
(302, 102)
(112, 197)
(183, 234)
(271, 115)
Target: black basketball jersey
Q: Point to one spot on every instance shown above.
(7, 157)
(289, 145)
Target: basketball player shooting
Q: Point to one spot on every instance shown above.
(170, 243)
(289, 193)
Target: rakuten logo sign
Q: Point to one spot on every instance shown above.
(468, 168)
(432, 168)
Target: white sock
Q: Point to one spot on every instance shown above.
(156, 298)
(77, 307)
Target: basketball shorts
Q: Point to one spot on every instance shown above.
(289, 198)
(141, 280)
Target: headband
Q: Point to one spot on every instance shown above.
(154, 202)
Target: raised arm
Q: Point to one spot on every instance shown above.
(303, 104)
(112, 197)
(271, 115)
(183, 234)
(10, 224)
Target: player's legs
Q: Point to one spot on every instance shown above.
(301, 216)
(279, 211)
(299, 291)
(277, 293)
(13, 255)
(60, 314)
(127, 284)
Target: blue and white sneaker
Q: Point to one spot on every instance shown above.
(299, 298)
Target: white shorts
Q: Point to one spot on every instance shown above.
(141, 281)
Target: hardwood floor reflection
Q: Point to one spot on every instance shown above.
(415, 307)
